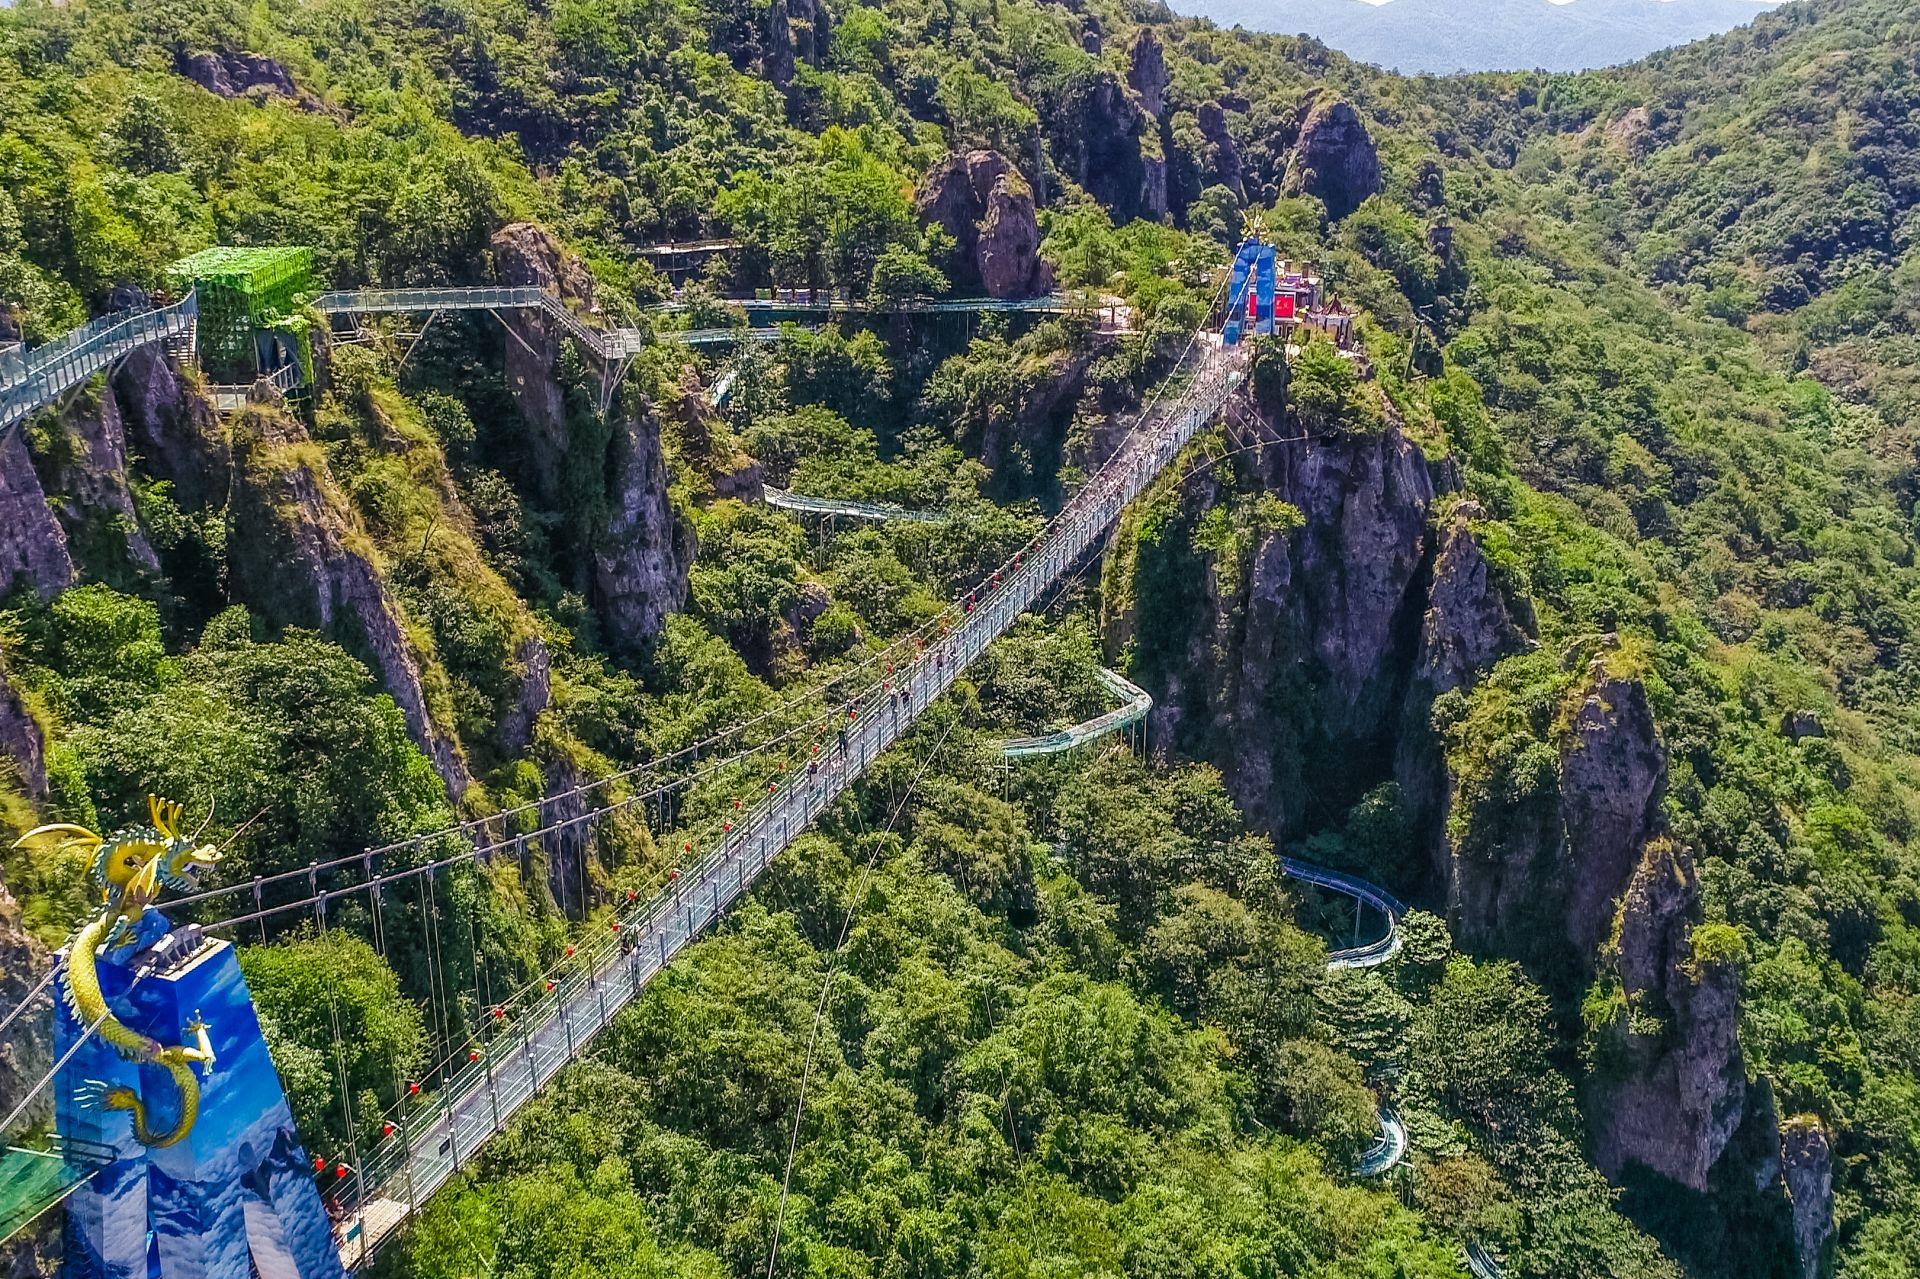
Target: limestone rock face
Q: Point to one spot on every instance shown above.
(33, 546)
(981, 200)
(22, 744)
(641, 557)
(26, 1047)
(172, 427)
(1806, 1160)
(1670, 1089)
(1147, 71)
(232, 73)
(1227, 165)
(299, 559)
(1470, 623)
(1333, 156)
(88, 468)
(526, 255)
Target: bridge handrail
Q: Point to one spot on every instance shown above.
(36, 376)
(1373, 953)
(425, 1150)
(1388, 1150)
(1138, 704)
(788, 500)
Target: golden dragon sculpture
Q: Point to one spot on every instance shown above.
(130, 867)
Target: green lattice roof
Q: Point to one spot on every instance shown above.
(247, 270)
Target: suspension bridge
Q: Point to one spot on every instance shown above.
(430, 1139)
(533, 1035)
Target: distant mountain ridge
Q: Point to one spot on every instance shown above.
(1444, 36)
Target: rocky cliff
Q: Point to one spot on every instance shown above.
(641, 550)
(981, 200)
(525, 255)
(171, 427)
(1333, 157)
(1806, 1163)
(1669, 1087)
(33, 545)
(642, 554)
(299, 558)
(26, 1046)
(1293, 652)
(83, 458)
(1472, 620)
(1538, 874)
(23, 745)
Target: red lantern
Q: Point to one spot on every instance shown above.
(549, 985)
(318, 1163)
(473, 1054)
(736, 803)
(386, 1130)
(339, 1171)
(727, 827)
(633, 894)
(413, 1089)
(615, 925)
(672, 875)
(569, 952)
(772, 787)
(498, 1013)
(816, 750)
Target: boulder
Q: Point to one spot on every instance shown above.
(33, 546)
(1668, 1090)
(298, 558)
(981, 200)
(1333, 157)
(1147, 71)
(230, 73)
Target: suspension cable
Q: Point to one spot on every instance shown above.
(826, 988)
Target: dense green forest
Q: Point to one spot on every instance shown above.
(1576, 607)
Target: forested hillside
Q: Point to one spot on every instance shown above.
(1574, 607)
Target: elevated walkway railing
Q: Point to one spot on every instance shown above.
(1389, 1150)
(1374, 953)
(32, 378)
(846, 509)
(1137, 704)
(428, 1148)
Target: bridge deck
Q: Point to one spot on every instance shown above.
(404, 1170)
